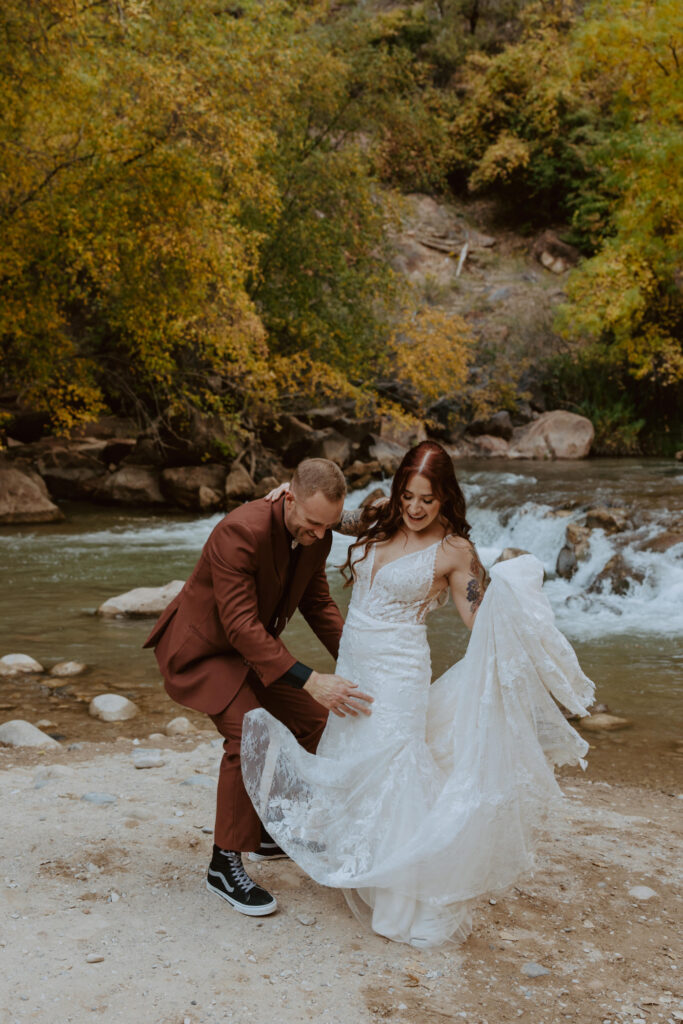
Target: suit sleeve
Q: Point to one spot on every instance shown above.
(233, 561)
(321, 612)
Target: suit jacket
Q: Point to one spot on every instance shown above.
(215, 631)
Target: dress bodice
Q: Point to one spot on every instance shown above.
(399, 591)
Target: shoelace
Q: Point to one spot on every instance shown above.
(238, 872)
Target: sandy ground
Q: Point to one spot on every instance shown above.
(122, 884)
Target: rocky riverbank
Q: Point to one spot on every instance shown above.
(106, 914)
(114, 465)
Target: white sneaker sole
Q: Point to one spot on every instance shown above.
(267, 908)
(260, 857)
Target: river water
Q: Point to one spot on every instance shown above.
(56, 575)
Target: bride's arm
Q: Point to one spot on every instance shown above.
(466, 577)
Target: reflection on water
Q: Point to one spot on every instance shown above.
(56, 575)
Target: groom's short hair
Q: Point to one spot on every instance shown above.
(313, 475)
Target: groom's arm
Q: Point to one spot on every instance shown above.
(321, 612)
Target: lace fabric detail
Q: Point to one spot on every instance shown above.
(435, 798)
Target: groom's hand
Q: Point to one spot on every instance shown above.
(338, 694)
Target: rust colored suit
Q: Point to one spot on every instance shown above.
(216, 653)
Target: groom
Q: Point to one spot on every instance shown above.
(218, 648)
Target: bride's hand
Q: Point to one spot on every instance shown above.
(338, 694)
(277, 491)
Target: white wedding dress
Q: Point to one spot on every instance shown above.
(435, 798)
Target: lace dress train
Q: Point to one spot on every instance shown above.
(435, 798)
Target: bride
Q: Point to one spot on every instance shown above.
(435, 798)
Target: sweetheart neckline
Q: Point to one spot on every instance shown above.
(374, 575)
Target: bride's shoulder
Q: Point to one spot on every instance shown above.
(455, 553)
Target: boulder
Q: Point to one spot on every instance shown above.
(554, 254)
(19, 665)
(131, 485)
(142, 602)
(67, 668)
(663, 541)
(209, 499)
(611, 520)
(267, 484)
(498, 425)
(112, 707)
(24, 497)
(359, 474)
(616, 576)
(182, 485)
(604, 723)
(333, 446)
(72, 470)
(554, 435)
(404, 434)
(19, 733)
(387, 453)
(576, 549)
(488, 446)
(238, 484)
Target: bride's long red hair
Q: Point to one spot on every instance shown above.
(379, 523)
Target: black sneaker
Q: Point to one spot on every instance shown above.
(268, 851)
(227, 878)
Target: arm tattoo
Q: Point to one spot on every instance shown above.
(477, 583)
(349, 523)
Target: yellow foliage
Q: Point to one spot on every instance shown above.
(431, 350)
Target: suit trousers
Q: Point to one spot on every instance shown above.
(237, 824)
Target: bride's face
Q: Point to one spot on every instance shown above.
(419, 506)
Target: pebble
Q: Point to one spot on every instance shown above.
(68, 668)
(306, 919)
(148, 757)
(534, 970)
(94, 958)
(99, 798)
(112, 707)
(200, 780)
(45, 723)
(641, 892)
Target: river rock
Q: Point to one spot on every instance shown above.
(489, 446)
(24, 497)
(387, 453)
(180, 726)
(183, 485)
(333, 446)
(611, 520)
(663, 541)
(404, 434)
(72, 469)
(576, 549)
(19, 733)
(101, 799)
(498, 425)
(68, 668)
(238, 484)
(131, 485)
(616, 576)
(554, 435)
(112, 707)
(534, 970)
(372, 497)
(604, 723)
(19, 665)
(142, 602)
